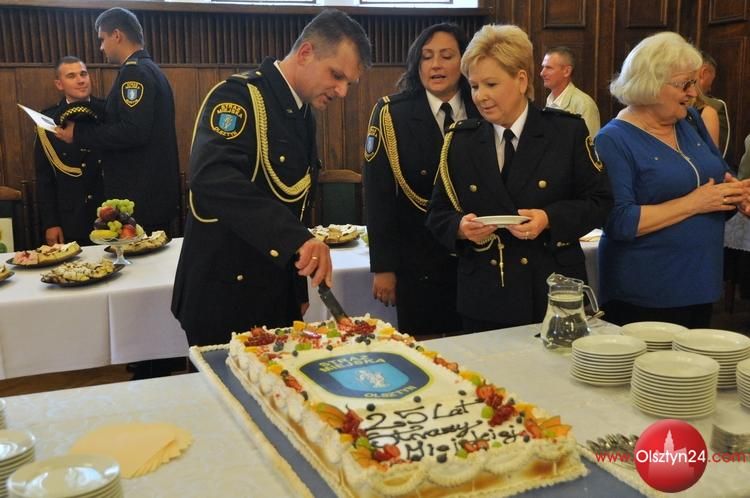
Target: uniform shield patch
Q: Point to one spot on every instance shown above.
(372, 143)
(228, 119)
(132, 93)
(593, 156)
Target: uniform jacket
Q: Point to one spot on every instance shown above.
(399, 239)
(68, 193)
(236, 267)
(554, 169)
(139, 141)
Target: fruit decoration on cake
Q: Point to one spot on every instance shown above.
(114, 221)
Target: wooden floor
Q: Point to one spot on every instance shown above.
(737, 320)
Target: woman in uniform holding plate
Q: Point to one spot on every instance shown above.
(521, 161)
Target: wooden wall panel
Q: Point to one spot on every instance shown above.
(647, 14)
(723, 11)
(570, 14)
(11, 172)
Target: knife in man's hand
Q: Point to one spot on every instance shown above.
(326, 295)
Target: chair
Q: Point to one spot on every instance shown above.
(15, 205)
(338, 198)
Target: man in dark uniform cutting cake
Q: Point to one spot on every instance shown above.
(68, 177)
(253, 163)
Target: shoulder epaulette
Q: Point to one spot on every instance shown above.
(395, 98)
(246, 77)
(466, 124)
(560, 112)
(132, 62)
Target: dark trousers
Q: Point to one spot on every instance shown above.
(426, 306)
(696, 316)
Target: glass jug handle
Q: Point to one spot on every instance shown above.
(592, 299)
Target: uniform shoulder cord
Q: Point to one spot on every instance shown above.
(391, 149)
(52, 156)
(450, 191)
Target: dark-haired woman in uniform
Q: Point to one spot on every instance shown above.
(402, 150)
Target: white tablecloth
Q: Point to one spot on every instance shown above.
(352, 286)
(224, 462)
(46, 328)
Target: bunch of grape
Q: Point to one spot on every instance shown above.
(115, 221)
(120, 205)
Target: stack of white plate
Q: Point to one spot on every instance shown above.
(674, 384)
(70, 476)
(743, 382)
(657, 335)
(728, 348)
(605, 360)
(16, 449)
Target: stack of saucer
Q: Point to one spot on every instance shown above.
(605, 360)
(728, 348)
(70, 476)
(16, 449)
(657, 335)
(674, 384)
(743, 382)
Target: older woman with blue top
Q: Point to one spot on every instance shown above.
(661, 255)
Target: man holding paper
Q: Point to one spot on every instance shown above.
(138, 135)
(69, 177)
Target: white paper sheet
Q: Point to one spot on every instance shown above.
(40, 119)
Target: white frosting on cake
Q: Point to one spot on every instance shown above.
(418, 426)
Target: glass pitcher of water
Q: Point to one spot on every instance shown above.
(565, 320)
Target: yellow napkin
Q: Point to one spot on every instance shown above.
(138, 447)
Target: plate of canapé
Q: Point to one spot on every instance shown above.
(146, 245)
(336, 235)
(45, 255)
(80, 273)
(5, 273)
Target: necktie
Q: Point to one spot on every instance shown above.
(508, 136)
(448, 110)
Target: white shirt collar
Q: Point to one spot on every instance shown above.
(557, 102)
(294, 94)
(516, 127)
(456, 103)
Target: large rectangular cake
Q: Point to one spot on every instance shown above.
(378, 414)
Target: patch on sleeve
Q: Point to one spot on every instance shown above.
(228, 119)
(593, 156)
(372, 143)
(132, 92)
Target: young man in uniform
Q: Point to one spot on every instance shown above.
(253, 163)
(68, 176)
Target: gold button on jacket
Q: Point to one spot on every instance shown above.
(274, 253)
(240, 278)
(542, 183)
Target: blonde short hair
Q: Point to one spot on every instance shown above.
(508, 45)
(650, 65)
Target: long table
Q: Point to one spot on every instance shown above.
(224, 460)
(45, 328)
